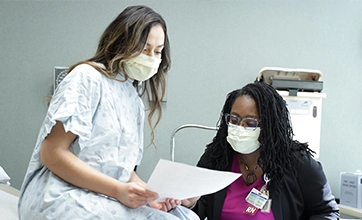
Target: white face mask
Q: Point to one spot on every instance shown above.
(142, 68)
(243, 140)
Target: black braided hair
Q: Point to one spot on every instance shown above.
(276, 135)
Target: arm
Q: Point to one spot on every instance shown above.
(191, 202)
(171, 203)
(55, 155)
(319, 201)
(200, 206)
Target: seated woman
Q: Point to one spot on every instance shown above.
(91, 139)
(255, 139)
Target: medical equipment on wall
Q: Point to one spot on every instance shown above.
(351, 189)
(301, 89)
(58, 76)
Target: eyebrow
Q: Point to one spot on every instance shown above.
(248, 116)
(159, 46)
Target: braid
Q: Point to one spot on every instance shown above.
(218, 150)
(277, 146)
(276, 136)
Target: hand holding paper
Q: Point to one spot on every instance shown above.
(180, 181)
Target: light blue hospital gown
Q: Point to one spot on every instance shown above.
(108, 117)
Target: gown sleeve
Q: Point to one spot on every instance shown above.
(75, 101)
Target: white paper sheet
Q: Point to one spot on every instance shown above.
(4, 178)
(180, 181)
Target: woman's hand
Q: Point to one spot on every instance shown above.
(170, 203)
(166, 205)
(190, 202)
(134, 195)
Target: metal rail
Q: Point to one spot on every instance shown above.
(182, 127)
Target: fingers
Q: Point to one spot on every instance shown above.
(141, 191)
(135, 195)
(158, 205)
(166, 205)
(143, 195)
(171, 203)
(150, 195)
(190, 201)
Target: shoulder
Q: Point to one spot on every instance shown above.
(216, 159)
(203, 161)
(303, 158)
(83, 76)
(86, 70)
(207, 160)
(314, 187)
(82, 81)
(308, 168)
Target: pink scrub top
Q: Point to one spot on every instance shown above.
(235, 203)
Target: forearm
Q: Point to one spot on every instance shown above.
(70, 168)
(55, 155)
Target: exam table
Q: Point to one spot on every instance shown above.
(8, 202)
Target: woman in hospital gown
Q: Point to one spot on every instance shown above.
(82, 166)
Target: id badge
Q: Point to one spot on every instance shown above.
(256, 198)
(267, 207)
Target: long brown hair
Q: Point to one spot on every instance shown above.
(124, 39)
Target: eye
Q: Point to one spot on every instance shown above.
(250, 122)
(234, 120)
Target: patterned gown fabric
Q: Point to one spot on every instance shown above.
(108, 117)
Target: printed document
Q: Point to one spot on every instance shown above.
(181, 181)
